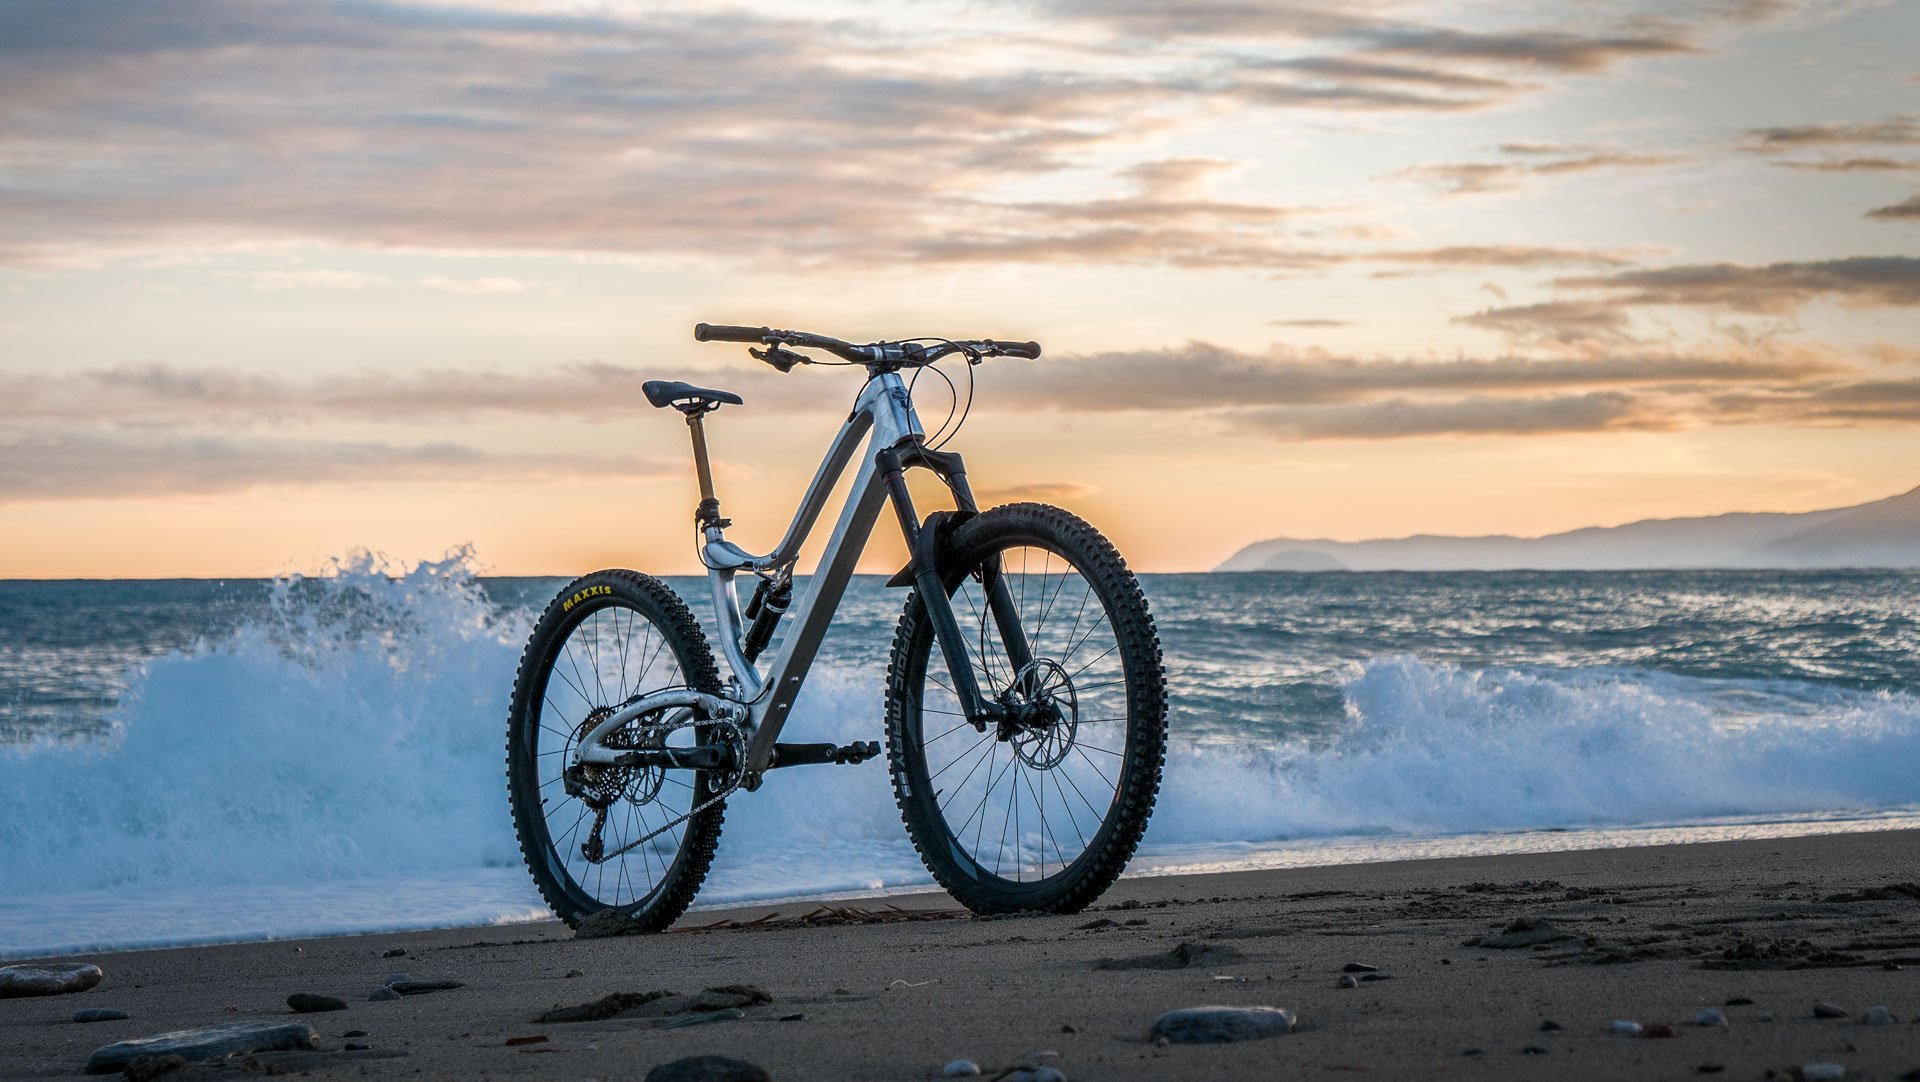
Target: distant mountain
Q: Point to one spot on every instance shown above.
(1885, 533)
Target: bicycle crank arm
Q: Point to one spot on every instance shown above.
(815, 754)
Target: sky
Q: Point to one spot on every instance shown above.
(281, 281)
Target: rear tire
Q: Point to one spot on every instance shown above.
(1088, 777)
(607, 637)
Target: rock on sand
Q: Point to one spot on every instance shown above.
(1222, 1025)
(47, 980)
(208, 1043)
(707, 1069)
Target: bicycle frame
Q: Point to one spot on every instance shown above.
(884, 417)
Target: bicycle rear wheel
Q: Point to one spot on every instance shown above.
(606, 837)
(1046, 814)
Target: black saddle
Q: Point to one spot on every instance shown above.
(663, 393)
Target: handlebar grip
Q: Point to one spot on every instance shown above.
(1029, 350)
(715, 332)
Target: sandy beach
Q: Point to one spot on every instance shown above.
(1650, 935)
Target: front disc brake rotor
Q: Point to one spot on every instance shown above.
(1052, 711)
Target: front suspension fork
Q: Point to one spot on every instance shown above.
(924, 543)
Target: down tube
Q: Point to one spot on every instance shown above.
(789, 670)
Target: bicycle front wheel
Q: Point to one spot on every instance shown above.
(636, 839)
(1041, 815)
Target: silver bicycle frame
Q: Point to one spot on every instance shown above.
(884, 416)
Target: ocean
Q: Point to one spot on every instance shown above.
(192, 761)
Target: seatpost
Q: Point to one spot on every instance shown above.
(707, 515)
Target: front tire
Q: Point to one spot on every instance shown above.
(606, 638)
(1045, 818)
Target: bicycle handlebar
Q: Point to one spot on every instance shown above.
(710, 332)
(885, 354)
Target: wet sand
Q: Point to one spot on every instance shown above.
(1652, 935)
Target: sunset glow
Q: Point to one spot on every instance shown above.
(282, 281)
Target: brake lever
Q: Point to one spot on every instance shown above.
(779, 357)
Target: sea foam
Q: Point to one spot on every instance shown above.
(338, 766)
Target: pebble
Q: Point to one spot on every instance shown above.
(356, 1046)
(47, 980)
(1033, 1074)
(1828, 1010)
(960, 1068)
(1709, 1017)
(309, 1003)
(396, 952)
(1549, 1025)
(211, 1042)
(1624, 1028)
(1222, 1025)
(1878, 1016)
(382, 995)
(1661, 1030)
(99, 1014)
(797, 1016)
(1765, 1016)
(1349, 981)
(1821, 1072)
(707, 1069)
(1359, 967)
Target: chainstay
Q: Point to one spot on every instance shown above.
(734, 737)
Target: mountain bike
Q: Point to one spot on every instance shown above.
(1025, 712)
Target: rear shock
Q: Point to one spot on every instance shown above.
(764, 609)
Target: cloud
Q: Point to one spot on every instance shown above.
(100, 465)
(1775, 288)
(1206, 377)
(127, 431)
(645, 129)
(1851, 165)
(1502, 255)
(1893, 132)
(1553, 50)
(1400, 418)
(450, 127)
(1474, 178)
(1040, 492)
(1556, 322)
(161, 394)
(1905, 209)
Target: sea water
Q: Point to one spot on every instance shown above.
(194, 761)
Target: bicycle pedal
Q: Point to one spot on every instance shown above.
(858, 752)
(816, 754)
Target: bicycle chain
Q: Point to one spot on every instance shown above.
(735, 738)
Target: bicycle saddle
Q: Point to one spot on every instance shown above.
(663, 393)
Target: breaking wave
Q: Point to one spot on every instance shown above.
(337, 766)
